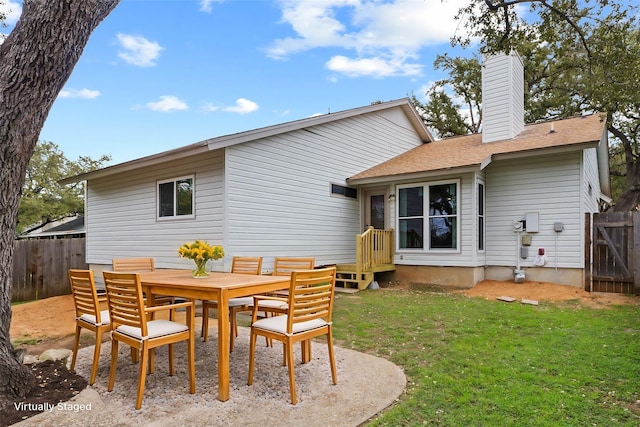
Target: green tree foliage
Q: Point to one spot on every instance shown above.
(579, 56)
(460, 114)
(43, 198)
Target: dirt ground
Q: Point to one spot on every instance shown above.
(542, 291)
(50, 323)
(40, 325)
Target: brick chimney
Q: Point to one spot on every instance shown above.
(502, 97)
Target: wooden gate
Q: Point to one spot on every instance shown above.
(615, 253)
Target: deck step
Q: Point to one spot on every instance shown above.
(346, 290)
(350, 279)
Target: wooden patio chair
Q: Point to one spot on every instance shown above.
(282, 266)
(140, 265)
(88, 315)
(240, 265)
(129, 324)
(310, 303)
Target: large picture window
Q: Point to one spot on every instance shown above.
(428, 216)
(175, 198)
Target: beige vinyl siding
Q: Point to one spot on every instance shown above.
(122, 212)
(591, 185)
(549, 185)
(278, 189)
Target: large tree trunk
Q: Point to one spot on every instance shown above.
(36, 60)
(630, 199)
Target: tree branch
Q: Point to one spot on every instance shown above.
(504, 5)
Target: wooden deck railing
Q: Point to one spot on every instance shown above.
(373, 248)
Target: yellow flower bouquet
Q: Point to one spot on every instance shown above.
(200, 252)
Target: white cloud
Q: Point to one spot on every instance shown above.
(138, 50)
(168, 103)
(384, 36)
(79, 93)
(209, 107)
(374, 67)
(421, 93)
(243, 106)
(11, 10)
(206, 5)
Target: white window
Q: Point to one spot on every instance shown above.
(428, 216)
(176, 198)
(481, 216)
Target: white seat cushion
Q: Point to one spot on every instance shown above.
(90, 318)
(269, 303)
(236, 302)
(279, 324)
(155, 328)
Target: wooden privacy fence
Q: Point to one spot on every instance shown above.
(615, 252)
(40, 267)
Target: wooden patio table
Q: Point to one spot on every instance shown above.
(217, 287)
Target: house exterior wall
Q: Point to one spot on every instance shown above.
(591, 183)
(552, 187)
(269, 197)
(278, 189)
(555, 186)
(121, 213)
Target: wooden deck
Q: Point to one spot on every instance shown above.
(374, 254)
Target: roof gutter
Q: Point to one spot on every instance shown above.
(190, 150)
(414, 175)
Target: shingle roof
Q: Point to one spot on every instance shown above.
(469, 151)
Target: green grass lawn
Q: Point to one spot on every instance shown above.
(476, 362)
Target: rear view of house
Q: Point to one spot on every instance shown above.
(507, 204)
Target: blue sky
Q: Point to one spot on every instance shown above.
(161, 74)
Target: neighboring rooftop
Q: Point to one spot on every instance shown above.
(65, 227)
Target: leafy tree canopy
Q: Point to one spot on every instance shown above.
(43, 198)
(579, 57)
(459, 114)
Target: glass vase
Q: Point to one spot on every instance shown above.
(201, 269)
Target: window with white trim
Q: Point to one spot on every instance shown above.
(176, 198)
(428, 216)
(481, 216)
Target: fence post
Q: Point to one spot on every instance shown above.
(636, 253)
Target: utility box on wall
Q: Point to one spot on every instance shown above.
(531, 221)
